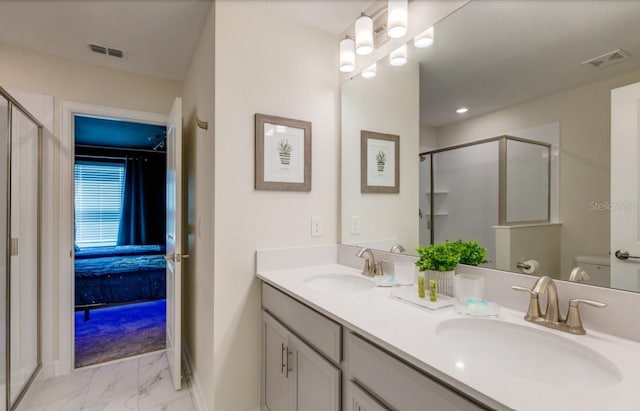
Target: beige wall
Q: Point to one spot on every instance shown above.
(84, 83)
(67, 80)
(198, 150)
(388, 103)
(584, 116)
(428, 138)
(266, 64)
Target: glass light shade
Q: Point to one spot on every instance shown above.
(364, 35)
(397, 12)
(369, 72)
(347, 56)
(424, 39)
(398, 56)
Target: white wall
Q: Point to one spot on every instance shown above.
(388, 103)
(584, 116)
(540, 242)
(67, 80)
(198, 150)
(84, 83)
(428, 138)
(266, 64)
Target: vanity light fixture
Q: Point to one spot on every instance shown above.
(398, 57)
(347, 55)
(397, 16)
(369, 72)
(462, 110)
(424, 39)
(364, 35)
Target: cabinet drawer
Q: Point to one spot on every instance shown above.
(314, 328)
(399, 385)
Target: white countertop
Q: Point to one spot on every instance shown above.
(410, 333)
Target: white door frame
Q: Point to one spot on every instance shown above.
(66, 153)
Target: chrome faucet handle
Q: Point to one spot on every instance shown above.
(533, 311)
(574, 321)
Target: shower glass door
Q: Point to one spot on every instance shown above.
(24, 253)
(4, 234)
(465, 190)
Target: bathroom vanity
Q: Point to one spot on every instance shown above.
(309, 357)
(333, 342)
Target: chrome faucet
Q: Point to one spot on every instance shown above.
(371, 267)
(551, 318)
(397, 248)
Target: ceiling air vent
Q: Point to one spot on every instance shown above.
(115, 53)
(106, 50)
(98, 49)
(608, 59)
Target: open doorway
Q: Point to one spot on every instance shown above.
(119, 235)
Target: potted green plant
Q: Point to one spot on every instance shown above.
(284, 149)
(438, 262)
(471, 253)
(381, 159)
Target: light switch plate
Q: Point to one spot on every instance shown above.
(316, 227)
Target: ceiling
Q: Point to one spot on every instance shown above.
(331, 16)
(93, 131)
(492, 54)
(157, 36)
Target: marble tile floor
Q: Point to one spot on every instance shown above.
(136, 384)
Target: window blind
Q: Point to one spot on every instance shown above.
(99, 188)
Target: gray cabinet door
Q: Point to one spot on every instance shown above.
(316, 382)
(275, 385)
(359, 400)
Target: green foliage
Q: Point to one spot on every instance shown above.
(439, 257)
(284, 146)
(381, 157)
(471, 253)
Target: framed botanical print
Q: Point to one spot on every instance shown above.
(379, 162)
(283, 154)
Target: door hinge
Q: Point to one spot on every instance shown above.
(13, 247)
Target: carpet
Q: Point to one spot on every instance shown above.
(119, 332)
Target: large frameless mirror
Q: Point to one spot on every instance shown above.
(524, 73)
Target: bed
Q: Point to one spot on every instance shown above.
(106, 276)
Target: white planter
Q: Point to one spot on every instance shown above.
(444, 280)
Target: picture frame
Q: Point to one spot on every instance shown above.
(379, 162)
(283, 153)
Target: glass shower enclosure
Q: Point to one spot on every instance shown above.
(20, 147)
(467, 190)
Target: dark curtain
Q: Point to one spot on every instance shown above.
(143, 210)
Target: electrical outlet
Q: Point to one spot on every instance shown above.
(316, 226)
(355, 224)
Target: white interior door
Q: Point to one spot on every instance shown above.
(625, 191)
(174, 241)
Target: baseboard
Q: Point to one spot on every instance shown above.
(193, 384)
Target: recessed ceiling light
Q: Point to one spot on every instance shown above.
(462, 110)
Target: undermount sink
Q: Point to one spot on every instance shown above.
(339, 282)
(525, 352)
